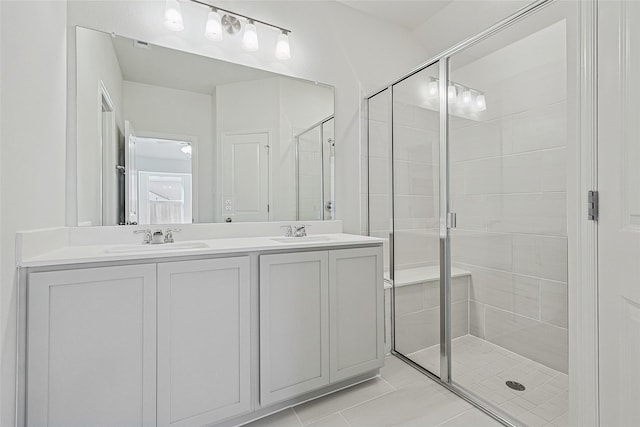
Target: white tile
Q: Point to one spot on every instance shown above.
(478, 141)
(413, 144)
(473, 417)
(528, 213)
(540, 256)
(508, 291)
(490, 250)
(409, 299)
(411, 178)
(327, 405)
(379, 177)
(418, 330)
(411, 406)
(476, 319)
(545, 127)
(285, 418)
(554, 170)
(553, 302)
(542, 342)
(335, 420)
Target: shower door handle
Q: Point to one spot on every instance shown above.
(452, 220)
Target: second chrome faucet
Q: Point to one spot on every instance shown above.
(157, 237)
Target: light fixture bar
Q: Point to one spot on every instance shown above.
(242, 16)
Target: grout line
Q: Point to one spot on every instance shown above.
(454, 417)
(344, 418)
(297, 416)
(390, 385)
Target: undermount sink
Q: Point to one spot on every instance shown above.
(143, 248)
(304, 239)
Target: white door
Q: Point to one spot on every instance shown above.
(245, 177)
(204, 363)
(294, 325)
(356, 312)
(109, 171)
(131, 174)
(619, 225)
(92, 347)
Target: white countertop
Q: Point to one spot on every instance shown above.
(82, 254)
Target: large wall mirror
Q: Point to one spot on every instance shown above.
(166, 137)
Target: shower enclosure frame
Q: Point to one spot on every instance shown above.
(319, 125)
(582, 300)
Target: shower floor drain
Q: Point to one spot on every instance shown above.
(515, 385)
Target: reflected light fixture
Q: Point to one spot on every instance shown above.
(231, 23)
(250, 37)
(481, 103)
(173, 16)
(452, 93)
(283, 51)
(213, 30)
(466, 97)
(462, 99)
(432, 89)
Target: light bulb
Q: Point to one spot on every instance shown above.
(466, 97)
(213, 30)
(173, 16)
(452, 93)
(250, 38)
(481, 103)
(283, 51)
(432, 89)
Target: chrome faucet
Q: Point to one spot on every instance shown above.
(157, 237)
(168, 235)
(300, 231)
(146, 239)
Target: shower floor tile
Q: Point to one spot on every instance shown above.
(483, 368)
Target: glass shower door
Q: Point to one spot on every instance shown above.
(508, 142)
(416, 219)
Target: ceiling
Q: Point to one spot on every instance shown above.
(161, 66)
(406, 14)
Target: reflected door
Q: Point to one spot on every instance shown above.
(416, 218)
(131, 174)
(245, 177)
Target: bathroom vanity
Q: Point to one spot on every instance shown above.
(216, 331)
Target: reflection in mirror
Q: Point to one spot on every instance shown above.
(165, 136)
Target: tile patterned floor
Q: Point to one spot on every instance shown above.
(401, 396)
(483, 368)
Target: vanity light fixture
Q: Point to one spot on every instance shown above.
(230, 22)
(213, 30)
(250, 37)
(283, 51)
(173, 16)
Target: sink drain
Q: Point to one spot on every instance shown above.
(514, 385)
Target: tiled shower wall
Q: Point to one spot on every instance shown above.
(509, 190)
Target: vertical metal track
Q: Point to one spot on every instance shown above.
(392, 264)
(445, 243)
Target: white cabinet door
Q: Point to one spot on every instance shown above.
(91, 347)
(356, 311)
(294, 333)
(203, 341)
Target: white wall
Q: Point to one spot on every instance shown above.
(330, 43)
(159, 111)
(33, 104)
(98, 62)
